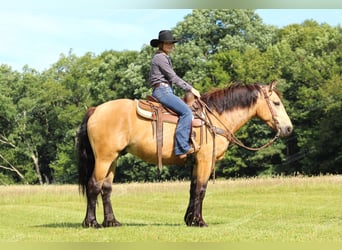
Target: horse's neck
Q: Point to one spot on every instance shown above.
(236, 118)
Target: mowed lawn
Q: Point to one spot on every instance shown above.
(296, 209)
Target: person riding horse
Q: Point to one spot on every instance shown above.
(162, 77)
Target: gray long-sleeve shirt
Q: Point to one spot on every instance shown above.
(162, 71)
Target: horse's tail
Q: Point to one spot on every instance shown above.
(86, 160)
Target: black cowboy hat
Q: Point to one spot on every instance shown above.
(164, 36)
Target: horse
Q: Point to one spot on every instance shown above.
(114, 128)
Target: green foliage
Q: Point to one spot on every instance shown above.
(40, 112)
(132, 169)
(325, 140)
(222, 29)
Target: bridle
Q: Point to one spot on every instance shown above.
(229, 135)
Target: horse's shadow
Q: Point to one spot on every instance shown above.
(60, 225)
(79, 225)
(152, 224)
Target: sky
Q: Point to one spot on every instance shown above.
(37, 34)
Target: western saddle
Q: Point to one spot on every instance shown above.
(153, 110)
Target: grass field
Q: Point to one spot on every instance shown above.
(297, 209)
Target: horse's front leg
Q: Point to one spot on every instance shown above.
(199, 180)
(189, 214)
(193, 215)
(109, 218)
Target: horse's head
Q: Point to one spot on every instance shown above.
(272, 111)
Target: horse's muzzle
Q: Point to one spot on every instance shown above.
(285, 131)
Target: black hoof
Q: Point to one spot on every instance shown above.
(111, 223)
(193, 222)
(92, 224)
(189, 218)
(200, 224)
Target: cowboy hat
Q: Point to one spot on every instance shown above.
(164, 36)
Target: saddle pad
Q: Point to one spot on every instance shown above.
(144, 113)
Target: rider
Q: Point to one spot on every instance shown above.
(162, 76)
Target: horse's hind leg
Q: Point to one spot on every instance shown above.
(109, 218)
(101, 181)
(92, 190)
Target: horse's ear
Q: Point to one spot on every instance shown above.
(273, 85)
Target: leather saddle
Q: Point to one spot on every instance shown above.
(151, 109)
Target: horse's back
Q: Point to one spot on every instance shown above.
(115, 106)
(111, 112)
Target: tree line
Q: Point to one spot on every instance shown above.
(40, 112)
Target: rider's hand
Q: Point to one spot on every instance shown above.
(196, 93)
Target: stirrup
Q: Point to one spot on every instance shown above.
(194, 143)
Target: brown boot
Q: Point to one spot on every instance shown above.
(190, 151)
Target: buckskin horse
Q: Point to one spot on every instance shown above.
(115, 127)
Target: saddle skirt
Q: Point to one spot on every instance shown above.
(151, 109)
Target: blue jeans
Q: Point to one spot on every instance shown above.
(165, 96)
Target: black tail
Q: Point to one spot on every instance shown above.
(86, 160)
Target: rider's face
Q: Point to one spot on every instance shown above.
(167, 47)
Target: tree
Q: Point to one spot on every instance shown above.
(210, 36)
(23, 133)
(325, 155)
(225, 29)
(311, 67)
(8, 166)
(68, 94)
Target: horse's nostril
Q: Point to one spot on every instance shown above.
(289, 129)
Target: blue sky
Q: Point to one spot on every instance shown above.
(36, 34)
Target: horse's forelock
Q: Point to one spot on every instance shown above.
(235, 96)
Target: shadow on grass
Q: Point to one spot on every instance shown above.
(79, 225)
(61, 225)
(152, 224)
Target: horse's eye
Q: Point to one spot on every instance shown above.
(276, 103)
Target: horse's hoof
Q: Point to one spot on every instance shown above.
(197, 223)
(202, 224)
(92, 224)
(111, 223)
(189, 218)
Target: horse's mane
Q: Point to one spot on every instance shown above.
(234, 96)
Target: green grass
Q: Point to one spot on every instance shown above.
(287, 210)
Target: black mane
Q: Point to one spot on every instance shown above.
(234, 96)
